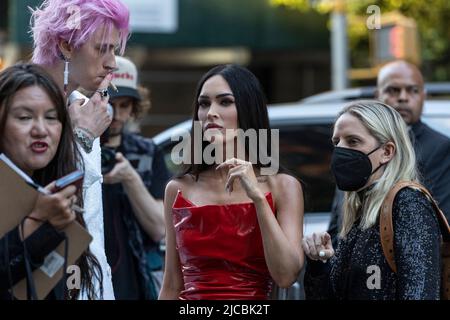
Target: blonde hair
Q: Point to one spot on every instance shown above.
(385, 125)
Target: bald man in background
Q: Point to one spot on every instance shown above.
(400, 85)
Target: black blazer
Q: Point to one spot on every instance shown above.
(433, 160)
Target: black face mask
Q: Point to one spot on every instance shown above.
(351, 168)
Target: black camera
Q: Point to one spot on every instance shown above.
(108, 159)
(108, 155)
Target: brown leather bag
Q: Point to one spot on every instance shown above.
(387, 233)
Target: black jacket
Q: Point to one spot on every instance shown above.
(12, 264)
(433, 160)
(359, 258)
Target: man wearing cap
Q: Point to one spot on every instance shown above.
(133, 192)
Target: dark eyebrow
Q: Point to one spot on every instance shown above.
(224, 95)
(218, 96)
(392, 86)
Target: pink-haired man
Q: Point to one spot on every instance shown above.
(76, 42)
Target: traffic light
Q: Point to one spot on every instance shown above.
(396, 39)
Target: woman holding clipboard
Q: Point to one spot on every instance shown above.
(36, 135)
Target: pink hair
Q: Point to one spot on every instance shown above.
(53, 21)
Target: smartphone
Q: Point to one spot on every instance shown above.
(75, 178)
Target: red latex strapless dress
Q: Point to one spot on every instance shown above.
(221, 251)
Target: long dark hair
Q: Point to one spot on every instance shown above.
(251, 106)
(67, 157)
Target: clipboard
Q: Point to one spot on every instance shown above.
(17, 199)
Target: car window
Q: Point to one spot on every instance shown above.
(305, 150)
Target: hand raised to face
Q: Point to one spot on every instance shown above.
(93, 116)
(243, 172)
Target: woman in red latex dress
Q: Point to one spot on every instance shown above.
(233, 223)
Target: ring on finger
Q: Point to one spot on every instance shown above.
(103, 93)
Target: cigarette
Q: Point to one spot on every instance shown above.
(114, 87)
(77, 208)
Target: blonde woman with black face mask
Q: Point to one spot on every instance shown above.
(372, 153)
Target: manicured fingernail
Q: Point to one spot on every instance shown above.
(321, 254)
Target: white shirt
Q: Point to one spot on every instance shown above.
(93, 216)
(93, 207)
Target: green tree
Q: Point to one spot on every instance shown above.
(432, 18)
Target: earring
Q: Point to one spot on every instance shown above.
(66, 75)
